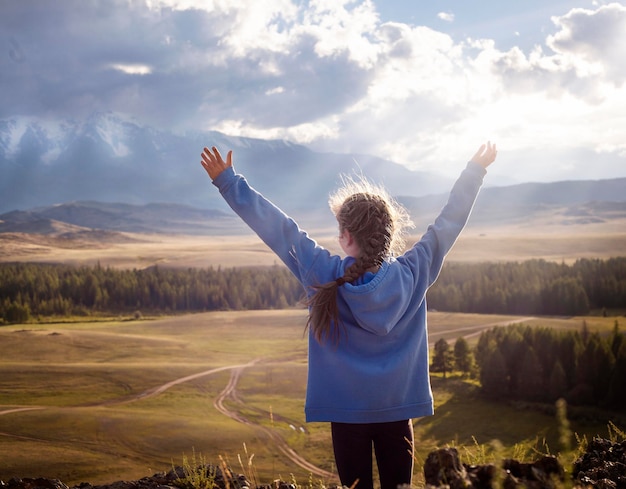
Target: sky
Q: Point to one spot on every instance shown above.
(419, 82)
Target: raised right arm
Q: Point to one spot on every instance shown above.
(428, 254)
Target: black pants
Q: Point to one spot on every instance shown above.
(393, 447)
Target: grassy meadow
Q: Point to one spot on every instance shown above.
(119, 399)
(81, 401)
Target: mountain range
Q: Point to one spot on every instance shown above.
(582, 203)
(111, 174)
(108, 159)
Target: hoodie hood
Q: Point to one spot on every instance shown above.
(379, 300)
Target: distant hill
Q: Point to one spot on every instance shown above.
(563, 203)
(77, 217)
(576, 202)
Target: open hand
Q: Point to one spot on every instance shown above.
(213, 162)
(485, 155)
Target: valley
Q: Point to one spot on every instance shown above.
(478, 243)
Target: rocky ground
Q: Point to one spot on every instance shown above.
(602, 466)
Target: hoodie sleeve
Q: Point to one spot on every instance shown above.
(429, 252)
(277, 230)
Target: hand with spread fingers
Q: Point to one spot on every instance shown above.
(213, 162)
(485, 155)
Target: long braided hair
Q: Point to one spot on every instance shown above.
(377, 223)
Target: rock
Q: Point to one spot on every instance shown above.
(37, 483)
(444, 469)
(536, 475)
(481, 476)
(602, 466)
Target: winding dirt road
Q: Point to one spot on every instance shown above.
(230, 391)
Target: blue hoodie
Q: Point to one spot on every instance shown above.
(378, 371)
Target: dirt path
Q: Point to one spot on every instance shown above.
(230, 391)
(19, 409)
(155, 391)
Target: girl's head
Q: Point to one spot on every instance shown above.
(365, 227)
(370, 219)
(374, 220)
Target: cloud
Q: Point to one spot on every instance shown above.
(447, 16)
(582, 57)
(595, 39)
(328, 73)
(132, 69)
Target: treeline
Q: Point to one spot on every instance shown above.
(531, 287)
(543, 365)
(28, 290)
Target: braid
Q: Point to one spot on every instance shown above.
(375, 222)
(324, 310)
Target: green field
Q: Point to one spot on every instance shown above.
(81, 401)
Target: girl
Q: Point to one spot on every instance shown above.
(368, 343)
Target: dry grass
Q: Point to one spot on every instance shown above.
(147, 250)
(85, 379)
(546, 240)
(75, 395)
(567, 246)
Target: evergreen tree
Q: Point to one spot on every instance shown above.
(463, 357)
(530, 383)
(617, 339)
(603, 367)
(443, 360)
(583, 392)
(486, 344)
(493, 377)
(570, 347)
(512, 346)
(616, 397)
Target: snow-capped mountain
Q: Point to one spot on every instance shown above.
(108, 159)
